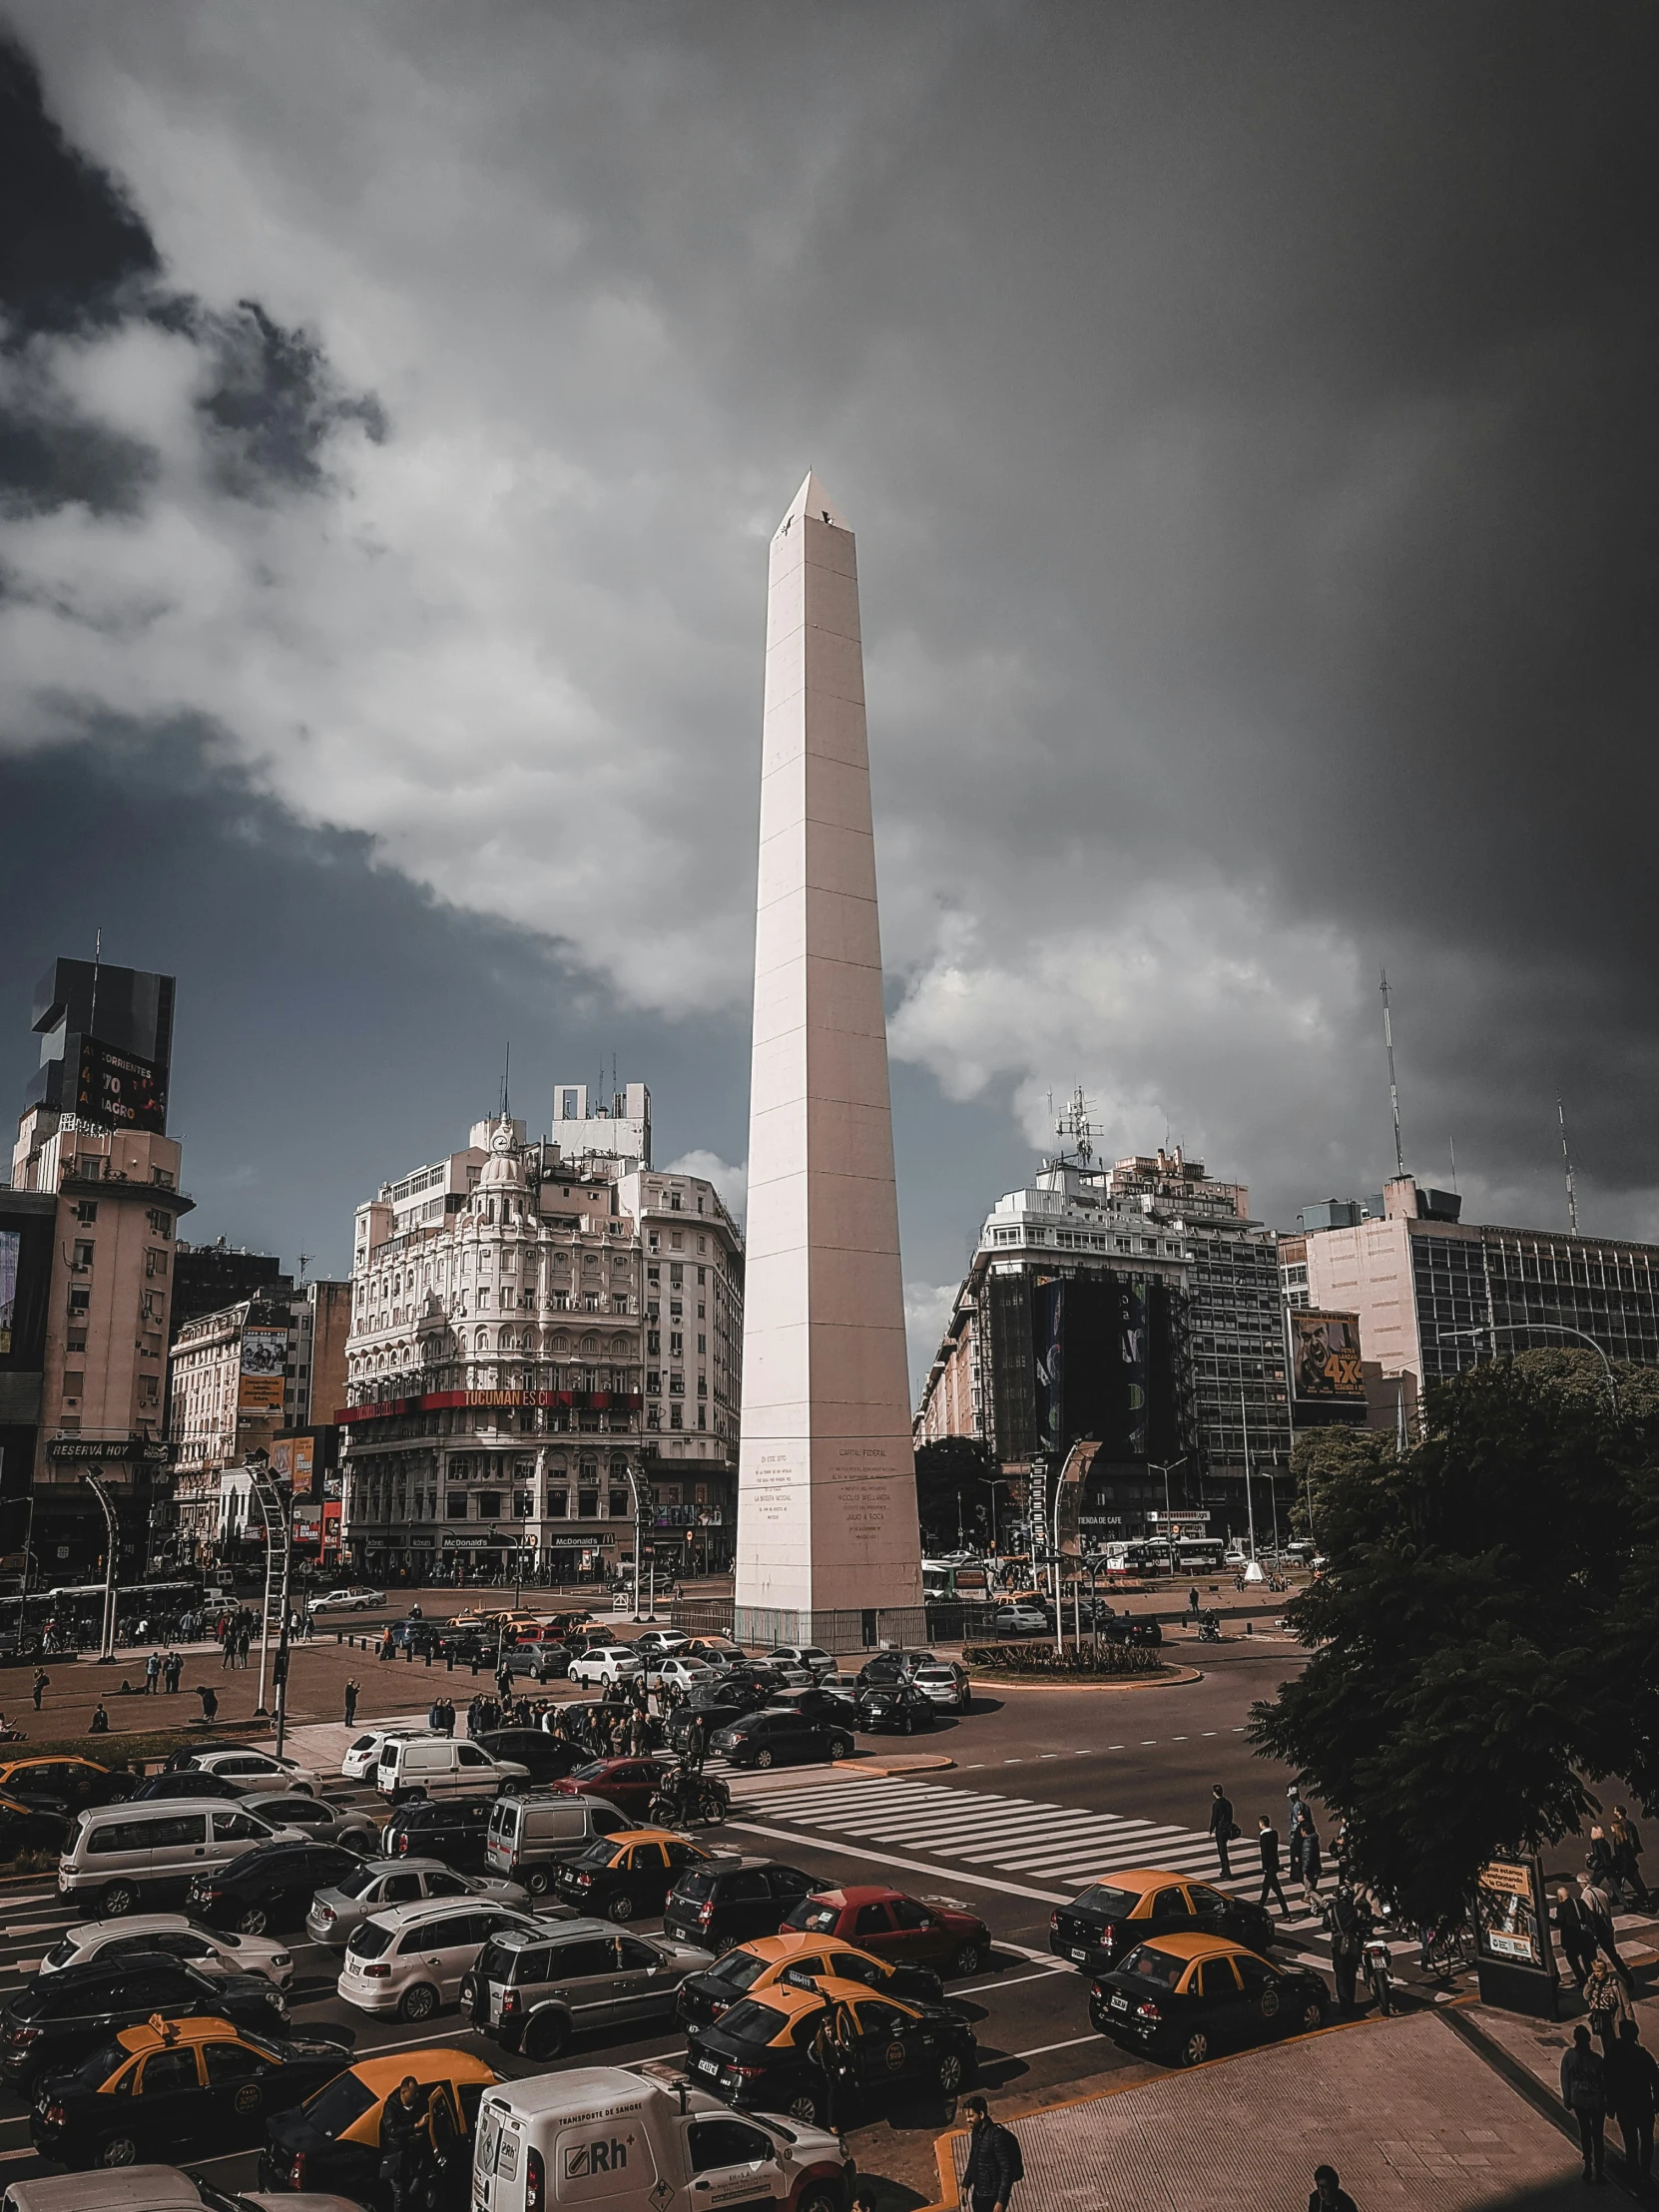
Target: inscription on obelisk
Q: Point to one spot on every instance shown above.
(827, 1505)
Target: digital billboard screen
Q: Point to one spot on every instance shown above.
(118, 1090)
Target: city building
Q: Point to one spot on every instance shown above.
(264, 1377)
(208, 1278)
(93, 1143)
(544, 1352)
(1136, 1306)
(620, 1131)
(1433, 1294)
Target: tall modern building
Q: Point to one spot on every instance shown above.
(1135, 1307)
(544, 1351)
(92, 1144)
(1434, 1294)
(828, 1550)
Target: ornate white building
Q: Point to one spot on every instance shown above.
(507, 1375)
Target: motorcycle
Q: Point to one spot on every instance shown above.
(1378, 1970)
(689, 1800)
(1208, 1630)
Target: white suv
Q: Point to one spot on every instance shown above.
(346, 1601)
(411, 1959)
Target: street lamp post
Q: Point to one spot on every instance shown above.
(111, 1552)
(993, 1483)
(1165, 1470)
(1496, 1328)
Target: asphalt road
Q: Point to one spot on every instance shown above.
(1032, 1765)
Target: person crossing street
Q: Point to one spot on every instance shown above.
(1267, 1843)
(1223, 1829)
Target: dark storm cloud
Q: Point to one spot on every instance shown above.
(1246, 414)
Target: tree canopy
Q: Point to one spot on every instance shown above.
(1486, 1635)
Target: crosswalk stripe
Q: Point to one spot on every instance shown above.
(966, 1832)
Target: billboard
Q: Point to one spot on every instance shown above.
(118, 1090)
(265, 1354)
(1324, 1358)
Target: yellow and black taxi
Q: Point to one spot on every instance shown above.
(756, 1966)
(332, 2143)
(1132, 1904)
(622, 1876)
(58, 1780)
(171, 2086)
(1185, 1997)
(818, 2051)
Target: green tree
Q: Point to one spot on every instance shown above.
(951, 1491)
(1485, 1642)
(1317, 1456)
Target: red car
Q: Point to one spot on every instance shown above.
(628, 1784)
(894, 1926)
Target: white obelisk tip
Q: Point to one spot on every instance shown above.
(812, 499)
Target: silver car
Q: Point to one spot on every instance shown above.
(379, 1884)
(213, 1951)
(535, 1990)
(153, 2189)
(329, 1824)
(945, 1683)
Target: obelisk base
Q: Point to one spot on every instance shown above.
(902, 1627)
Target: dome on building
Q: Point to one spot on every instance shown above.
(504, 1169)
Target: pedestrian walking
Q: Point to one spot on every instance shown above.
(351, 1691)
(1192, 1601)
(1346, 1922)
(43, 1682)
(1605, 2003)
(994, 2163)
(1598, 1910)
(227, 1648)
(175, 1672)
(1584, 2093)
(1626, 1839)
(1632, 2084)
(1223, 1829)
(1578, 1938)
(1308, 1867)
(1328, 2195)
(1267, 1843)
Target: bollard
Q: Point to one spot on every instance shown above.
(449, 1662)
(428, 1658)
(1250, 1628)
(408, 1653)
(339, 1636)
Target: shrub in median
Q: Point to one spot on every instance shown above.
(1109, 1662)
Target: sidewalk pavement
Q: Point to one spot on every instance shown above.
(1404, 2111)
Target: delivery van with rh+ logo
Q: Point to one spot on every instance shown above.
(614, 2138)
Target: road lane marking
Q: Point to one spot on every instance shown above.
(836, 1848)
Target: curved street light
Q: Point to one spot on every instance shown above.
(1496, 1328)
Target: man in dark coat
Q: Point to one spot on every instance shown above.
(1267, 1842)
(1577, 1935)
(1632, 2081)
(1221, 1828)
(404, 2146)
(1328, 2195)
(993, 2161)
(1584, 2093)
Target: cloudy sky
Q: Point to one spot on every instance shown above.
(1247, 417)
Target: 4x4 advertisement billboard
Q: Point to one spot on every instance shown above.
(1324, 1358)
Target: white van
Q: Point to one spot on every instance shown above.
(529, 1836)
(438, 1766)
(120, 1856)
(611, 2137)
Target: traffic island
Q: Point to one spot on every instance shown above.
(1404, 2110)
(1037, 1667)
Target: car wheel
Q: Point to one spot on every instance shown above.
(841, 1747)
(303, 1789)
(819, 2196)
(1196, 2049)
(120, 2151)
(536, 1881)
(115, 1899)
(1313, 2015)
(620, 1906)
(804, 2106)
(967, 1959)
(253, 1922)
(547, 2035)
(419, 2004)
(763, 1757)
(951, 2074)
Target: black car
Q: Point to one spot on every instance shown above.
(192, 2086)
(170, 1784)
(60, 2019)
(626, 1875)
(724, 1901)
(743, 1684)
(896, 1705)
(759, 2056)
(818, 1704)
(1109, 1919)
(271, 1885)
(892, 1666)
(1184, 1997)
(25, 1827)
(711, 1715)
(777, 1739)
(322, 2146)
(454, 1830)
(548, 1757)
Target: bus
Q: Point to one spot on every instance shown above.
(955, 1581)
(1199, 1554)
(1143, 1560)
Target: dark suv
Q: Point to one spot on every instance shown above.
(271, 1885)
(454, 1830)
(729, 1899)
(892, 1666)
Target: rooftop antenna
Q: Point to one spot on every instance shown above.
(1451, 1143)
(96, 962)
(305, 1259)
(506, 1075)
(1393, 1087)
(1566, 1162)
(1074, 1123)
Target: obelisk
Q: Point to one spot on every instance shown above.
(829, 1550)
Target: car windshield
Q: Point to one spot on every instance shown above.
(749, 2022)
(739, 1971)
(1149, 1965)
(370, 1941)
(1114, 1905)
(594, 1771)
(334, 2107)
(596, 1854)
(93, 2073)
(696, 1885)
(817, 1919)
(358, 1879)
